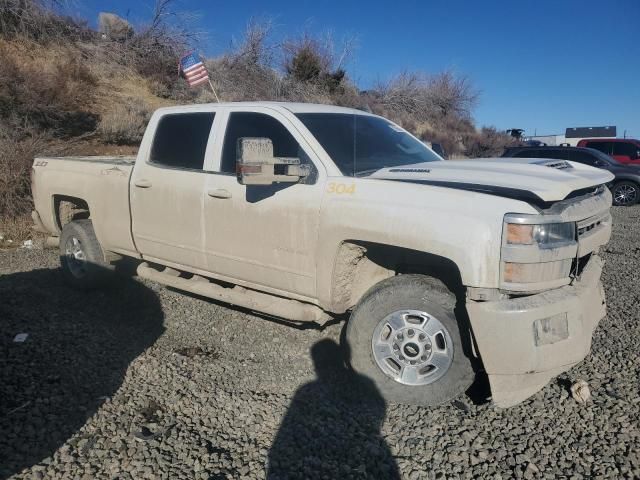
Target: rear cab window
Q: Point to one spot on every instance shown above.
(180, 140)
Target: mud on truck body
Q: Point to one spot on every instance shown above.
(308, 211)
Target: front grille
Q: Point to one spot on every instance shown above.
(588, 228)
(591, 223)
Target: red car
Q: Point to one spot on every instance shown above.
(624, 150)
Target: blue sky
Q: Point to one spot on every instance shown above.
(539, 65)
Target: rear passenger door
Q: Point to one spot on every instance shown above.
(263, 235)
(168, 188)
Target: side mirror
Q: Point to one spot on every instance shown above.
(256, 165)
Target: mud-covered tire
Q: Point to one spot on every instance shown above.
(412, 293)
(81, 256)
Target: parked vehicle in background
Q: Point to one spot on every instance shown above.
(305, 211)
(625, 188)
(624, 150)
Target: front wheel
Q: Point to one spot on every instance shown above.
(625, 193)
(404, 336)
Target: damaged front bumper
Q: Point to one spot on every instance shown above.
(526, 341)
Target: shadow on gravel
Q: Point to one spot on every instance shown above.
(332, 427)
(78, 349)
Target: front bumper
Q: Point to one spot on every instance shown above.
(505, 333)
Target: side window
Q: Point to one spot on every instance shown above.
(604, 147)
(583, 157)
(627, 149)
(555, 154)
(181, 139)
(560, 154)
(528, 154)
(250, 124)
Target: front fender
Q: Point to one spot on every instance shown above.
(464, 227)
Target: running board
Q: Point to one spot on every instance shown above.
(243, 297)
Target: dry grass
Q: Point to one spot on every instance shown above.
(15, 230)
(17, 150)
(48, 87)
(125, 123)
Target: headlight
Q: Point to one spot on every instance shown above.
(546, 235)
(536, 253)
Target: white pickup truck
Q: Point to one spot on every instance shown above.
(308, 211)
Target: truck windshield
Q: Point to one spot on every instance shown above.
(361, 144)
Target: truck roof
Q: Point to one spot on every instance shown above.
(293, 107)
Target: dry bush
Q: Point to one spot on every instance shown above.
(246, 72)
(17, 149)
(426, 97)
(402, 96)
(37, 20)
(315, 60)
(488, 142)
(126, 123)
(154, 49)
(451, 95)
(49, 88)
(436, 108)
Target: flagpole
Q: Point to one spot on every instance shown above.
(214, 91)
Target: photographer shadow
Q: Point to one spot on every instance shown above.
(76, 354)
(332, 426)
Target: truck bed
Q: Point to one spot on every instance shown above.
(102, 182)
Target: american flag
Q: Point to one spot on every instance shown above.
(193, 70)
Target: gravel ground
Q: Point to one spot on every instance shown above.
(140, 381)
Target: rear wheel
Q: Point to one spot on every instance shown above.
(625, 193)
(404, 336)
(81, 256)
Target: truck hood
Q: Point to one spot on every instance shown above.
(536, 180)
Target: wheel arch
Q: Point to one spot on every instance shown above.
(68, 208)
(359, 265)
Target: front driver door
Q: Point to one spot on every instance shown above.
(263, 235)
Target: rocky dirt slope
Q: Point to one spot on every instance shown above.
(143, 382)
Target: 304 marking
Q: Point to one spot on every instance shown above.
(341, 188)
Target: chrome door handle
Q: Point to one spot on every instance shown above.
(219, 193)
(142, 183)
